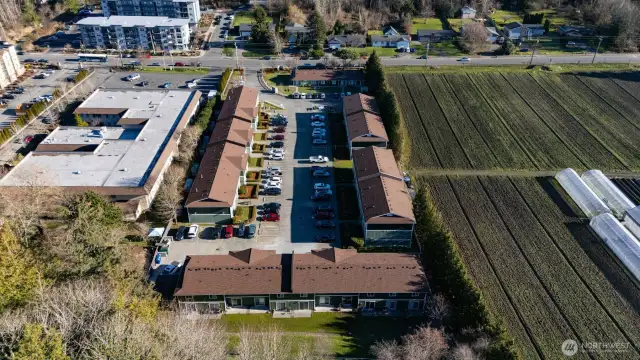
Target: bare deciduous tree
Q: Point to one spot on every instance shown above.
(463, 352)
(268, 343)
(170, 193)
(426, 343)
(295, 15)
(474, 37)
(386, 350)
(439, 308)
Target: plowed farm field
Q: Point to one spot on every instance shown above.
(521, 121)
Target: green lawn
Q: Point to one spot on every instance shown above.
(379, 50)
(374, 32)
(501, 17)
(259, 136)
(426, 24)
(351, 335)
(243, 213)
(246, 17)
(443, 48)
(181, 70)
(555, 19)
(256, 162)
(456, 24)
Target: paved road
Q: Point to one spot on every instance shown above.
(511, 173)
(216, 61)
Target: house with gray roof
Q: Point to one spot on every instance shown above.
(435, 35)
(340, 41)
(392, 41)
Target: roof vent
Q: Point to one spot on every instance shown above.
(111, 97)
(77, 172)
(125, 169)
(136, 97)
(143, 139)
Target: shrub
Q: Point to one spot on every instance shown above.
(226, 75)
(242, 190)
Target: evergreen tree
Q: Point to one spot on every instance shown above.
(40, 344)
(20, 277)
(260, 30)
(374, 73)
(78, 120)
(318, 29)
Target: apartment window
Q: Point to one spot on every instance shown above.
(324, 300)
(415, 294)
(370, 294)
(213, 297)
(236, 301)
(304, 295)
(392, 294)
(188, 298)
(280, 296)
(414, 305)
(393, 305)
(259, 301)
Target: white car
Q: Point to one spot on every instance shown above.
(273, 184)
(191, 85)
(317, 124)
(320, 131)
(464, 59)
(277, 151)
(276, 157)
(319, 141)
(317, 117)
(193, 231)
(321, 186)
(318, 159)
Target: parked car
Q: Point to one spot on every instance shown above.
(324, 207)
(216, 232)
(319, 141)
(279, 122)
(132, 77)
(29, 61)
(321, 173)
(272, 191)
(277, 137)
(320, 197)
(27, 139)
(166, 85)
(178, 63)
(324, 192)
(274, 183)
(8, 96)
(170, 270)
(323, 224)
(158, 259)
(155, 64)
(319, 131)
(321, 186)
(250, 231)
(324, 215)
(227, 231)
(271, 217)
(464, 59)
(277, 151)
(20, 53)
(43, 61)
(317, 124)
(276, 157)
(273, 170)
(193, 231)
(322, 95)
(180, 233)
(18, 90)
(277, 144)
(279, 130)
(325, 238)
(143, 83)
(240, 230)
(318, 159)
(271, 207)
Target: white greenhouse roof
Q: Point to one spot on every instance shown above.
(581, 194)
(621, 242)
(608, 192)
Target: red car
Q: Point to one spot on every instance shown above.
(228, 231)
(324, 215)
(179, 64)
(271, 217)
(277, 137)
(279, 130)
(28, 139)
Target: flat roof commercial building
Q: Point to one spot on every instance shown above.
(10, 67)
(213, 195)
(178, 9)
(296, 285)
(135, 32)
(123, 155)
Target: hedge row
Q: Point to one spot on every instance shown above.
(226, 75)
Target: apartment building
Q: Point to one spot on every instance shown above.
(177, 9)
(10, 67)
(135, 32)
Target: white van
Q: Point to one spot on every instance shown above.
(303, 95)
(191, 85)
(133, 77)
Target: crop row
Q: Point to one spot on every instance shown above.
(490, 127)
(615, 96)
(587, 147)
(573, 299)
(630, 82)
(595, 116)
(422, 153)
(442, 138)
(480, 269)
(473, 145)
(607, 282)
(544, 321)
(537, 139)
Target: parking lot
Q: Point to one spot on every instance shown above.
(295, 231)
(206, 82)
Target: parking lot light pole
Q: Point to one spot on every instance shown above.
(597, 48)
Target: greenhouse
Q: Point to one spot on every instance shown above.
(586, 199)
(606, 190)
(621, 242)
(632, 221)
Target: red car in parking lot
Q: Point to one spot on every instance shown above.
(28, 138)
(279, 130)
(179, 64)
(228, 231)
(271, 217)
(277, 137)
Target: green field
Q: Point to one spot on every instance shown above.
(426, 24)
(502, 17)
(521, 120)
(543, 273)
(246, 17)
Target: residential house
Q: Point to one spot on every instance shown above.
(390, 31)
(353, 40)
(363, 122)
(574, 31)
(296, 285)
(245, 30)
(326, 77)
(467, 13)
(213, 195)
(385, 204)
(393, 41)
(517, 30)
(492, 34)
(297, 33)
(435, 36)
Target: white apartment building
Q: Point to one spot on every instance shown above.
(135, 32)
(178, 9)
(10, 67)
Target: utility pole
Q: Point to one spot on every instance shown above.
(597, 48)
(533, 51)
(426, 55)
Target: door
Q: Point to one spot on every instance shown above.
(392, 304)
(304, 305)
(413, 305)
(370, 304)
(280, 306)
(346, 301)
(236, 302)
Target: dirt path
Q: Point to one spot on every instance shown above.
(511, 173)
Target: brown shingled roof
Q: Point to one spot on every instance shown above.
(364, 126)
(336, 271)
(242, 102)
(218, 175)
(327, 75)
(359, 102)
(381, 196)
(375, 161)
(233, 129)
(245, 272)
